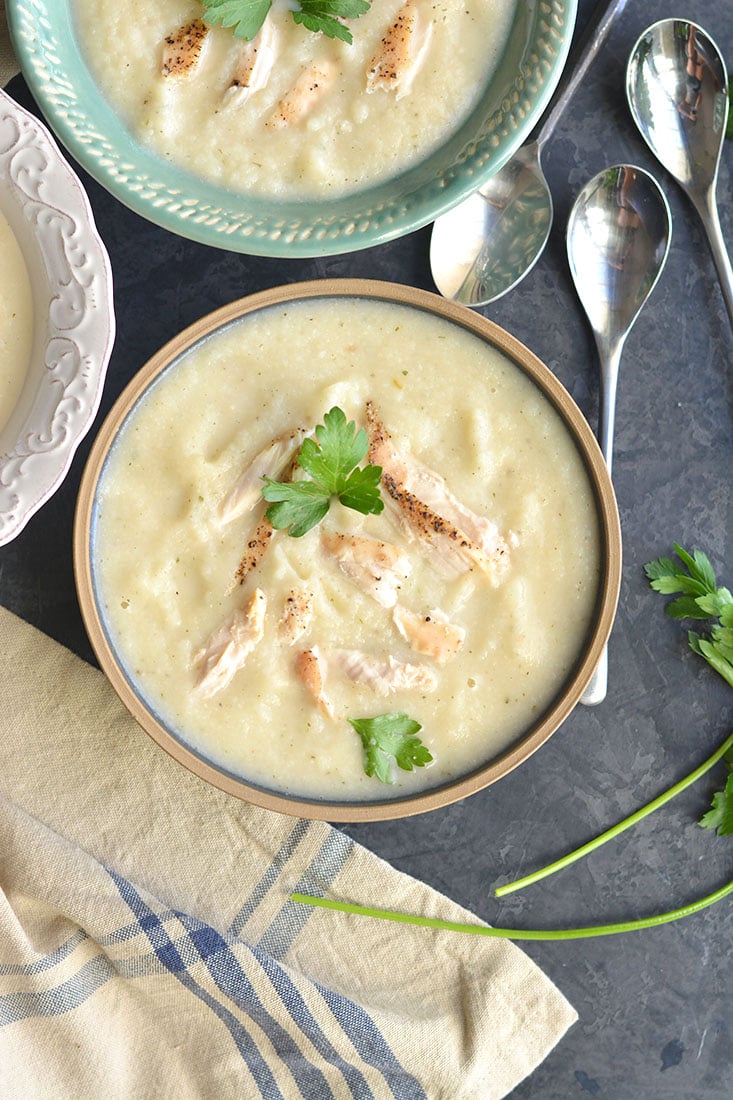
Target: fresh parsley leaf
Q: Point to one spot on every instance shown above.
(361, 490)
(323, 24)
(720, 816)
(389, 739)
(662, 567)
(245, 17)
(325, 16)
(336, 450)
(298, 505)
(345, 9)
(701, 599)
(686, 607)
(331, 460)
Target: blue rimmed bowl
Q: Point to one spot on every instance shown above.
(56, 71)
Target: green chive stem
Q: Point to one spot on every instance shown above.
(571, 857)
(517, 933)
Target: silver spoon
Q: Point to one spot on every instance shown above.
(618, 239)
(677, 88)
(483, 247)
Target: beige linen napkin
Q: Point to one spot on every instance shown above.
(149, 949)
(8, 64)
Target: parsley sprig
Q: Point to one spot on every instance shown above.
(389, 739)
(701, 599)
(332, 462)
(245, 17)
(720, 815)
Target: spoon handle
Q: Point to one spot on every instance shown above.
(580, 61)
(610, 358)
(610, 362)
(708, 212)
(597, 687)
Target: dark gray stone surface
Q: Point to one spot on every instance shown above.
(655, 1006)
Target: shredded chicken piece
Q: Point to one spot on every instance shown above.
(254, 65)
(302, 97)
(377, 567)
(385, 677)
(452, 550)
(432, 635)
(183, 49)
(271, 462)
(308, 668)
(230, 645)
(401, 52)
(255, 551)
(297, 614)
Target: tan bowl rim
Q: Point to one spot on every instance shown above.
(609, 529)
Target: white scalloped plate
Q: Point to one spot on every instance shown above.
(47, 208)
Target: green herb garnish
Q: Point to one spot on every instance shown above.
(325, 16)
(245, 17)
(517, 933)
(332, 462)
(390, 739)
(701, 599)
(720, 816)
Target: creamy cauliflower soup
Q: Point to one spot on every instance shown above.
(294, 114)
(16, 321)
(464, 604)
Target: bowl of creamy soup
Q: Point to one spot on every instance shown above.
(56, 316)
(347, 550)
(292, 141)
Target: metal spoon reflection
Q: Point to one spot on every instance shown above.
(677, 88)
(618, 238)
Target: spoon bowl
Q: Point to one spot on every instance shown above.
(618, 239)
(677, 90)
(486, 245)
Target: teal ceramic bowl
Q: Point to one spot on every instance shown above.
(55, 69)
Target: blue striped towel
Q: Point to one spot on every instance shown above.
(149, 949)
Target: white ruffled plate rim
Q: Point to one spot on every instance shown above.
(48, 210)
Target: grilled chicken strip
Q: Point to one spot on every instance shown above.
(437, 525)
(183, 49)
(308, 89)
(230, 645)
(432, 635)
(401, 52)
(297, 614)
(377, 567)
(308, 668)
(255, 551)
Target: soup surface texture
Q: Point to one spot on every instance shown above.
(302, 124)
(16, 321)
(170, 535)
